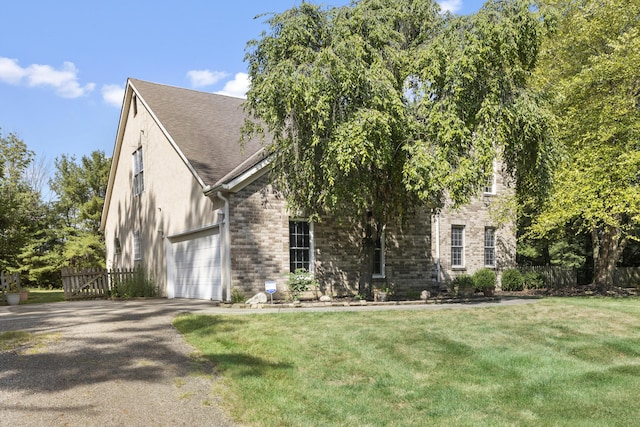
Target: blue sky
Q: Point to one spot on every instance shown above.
(64, 63)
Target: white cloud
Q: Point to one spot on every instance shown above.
(237, 87)
(201, 78)
(450, 5)
(113, 95)
(64, 80)
(10, 71)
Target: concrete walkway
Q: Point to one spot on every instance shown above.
(108, 363)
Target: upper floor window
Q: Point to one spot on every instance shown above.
(489, 247)
(299, 245)
(489, 186)
(138, 172)
(457, 246)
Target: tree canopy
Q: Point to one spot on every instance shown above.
(37, 238)
(589, 71)
(382, 105)
(17, 199)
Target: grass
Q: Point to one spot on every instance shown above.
(555, 362)
(25, 342)
(39, 296)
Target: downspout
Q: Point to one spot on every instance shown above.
(438, 249)
(226, 248)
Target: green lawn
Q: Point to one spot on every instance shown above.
(37, 296)
(571, 361)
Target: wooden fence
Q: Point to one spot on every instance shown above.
(93, 283)
(627, 277)
(553, 276)
(560, 277)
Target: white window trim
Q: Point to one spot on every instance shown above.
(462, 246)
(136, 172)
(485, 247)
(312, 252)
(492, 188)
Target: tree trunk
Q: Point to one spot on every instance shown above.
(366, 271)
(608, 244)
(371, 234)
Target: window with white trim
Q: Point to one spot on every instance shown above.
(299, 245)
(490, 184)
(137, 247)
(378, 258)
(457, 246)
(138, 172)
(489, 247)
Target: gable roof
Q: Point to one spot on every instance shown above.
(205, 127)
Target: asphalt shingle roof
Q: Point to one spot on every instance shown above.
(205, 126)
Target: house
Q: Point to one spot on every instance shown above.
(185, 202)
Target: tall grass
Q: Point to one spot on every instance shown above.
(555, 362)
(136, 284)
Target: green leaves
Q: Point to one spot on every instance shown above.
(383, 104)
(589, 73)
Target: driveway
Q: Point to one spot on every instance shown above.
(105, 363)
(108, 363)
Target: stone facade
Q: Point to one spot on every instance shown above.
(259, 240)
(260, 248)
(474, 219)
(260, 245)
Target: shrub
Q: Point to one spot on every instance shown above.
(413, 295)
(138, 284)
(300, 281)
(533, 280)
(237, 297)
(462, 284)
(512, 280)
(484, 279)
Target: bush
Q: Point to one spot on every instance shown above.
(484, 279)
(462, 285)
(237, 297)
(512, 280)
(138, 284)
(300, 281)
(533, 280)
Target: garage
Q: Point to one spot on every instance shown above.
(193, 265)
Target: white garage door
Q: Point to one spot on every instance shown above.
(194, 266)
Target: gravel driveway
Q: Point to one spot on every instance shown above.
(105, 363)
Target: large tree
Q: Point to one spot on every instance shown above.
(80, 189)
(17, 199)
(589, 70)
(381, 105)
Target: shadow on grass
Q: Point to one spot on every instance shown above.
(233, 363)
(244, 365)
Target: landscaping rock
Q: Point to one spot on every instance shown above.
(325, 298)
(259, 298)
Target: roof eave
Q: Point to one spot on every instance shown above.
(124, 113)
(233, 184)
